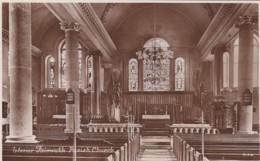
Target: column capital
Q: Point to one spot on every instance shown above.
(219, 49)
(246, 20)
(68, 26)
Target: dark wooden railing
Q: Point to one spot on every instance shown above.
(179, 105)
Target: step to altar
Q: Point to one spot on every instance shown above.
(156, 148)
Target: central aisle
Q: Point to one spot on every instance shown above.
(156, 148)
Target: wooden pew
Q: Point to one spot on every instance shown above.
(187, 147)
(87, 149)
(28, 152)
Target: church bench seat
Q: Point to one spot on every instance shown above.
(187, 147)
(53, 158)
(87, 150)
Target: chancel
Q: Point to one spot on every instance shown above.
(130, 81)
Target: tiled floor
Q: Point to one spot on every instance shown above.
(156, 148)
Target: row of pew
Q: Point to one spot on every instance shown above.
(217, 147)
(89, 147)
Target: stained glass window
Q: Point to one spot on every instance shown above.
(63, 64)
(89, 72)
(179, 74)
(156, 65)
(156, 75)
(133, 74)
(50, 75)
(225, 69)
(80, 67)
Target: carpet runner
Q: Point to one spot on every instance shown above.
(156, 148)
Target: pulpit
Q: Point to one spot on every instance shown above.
(224, 116)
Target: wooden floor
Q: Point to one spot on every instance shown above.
(156, 148)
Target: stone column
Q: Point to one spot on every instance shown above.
(245, 68)
(95, 93)
(206, 74)
(72, 74)
(83, 69)
(107, 75)
(218, 74)
(21, 127)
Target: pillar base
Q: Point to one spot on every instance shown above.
(72, 131)
(246, 132)
(21, 139)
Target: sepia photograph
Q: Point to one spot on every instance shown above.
(130, 80)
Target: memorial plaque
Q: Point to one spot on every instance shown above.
(247, 97)
(70, 99)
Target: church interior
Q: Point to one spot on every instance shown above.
(130, 81)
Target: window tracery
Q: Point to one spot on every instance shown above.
(89, 72)
(133, 75)
(156, 65)
(179, 74)
(50, 74)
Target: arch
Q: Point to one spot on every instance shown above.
(179, 74)
(133, 74)
(156, 42)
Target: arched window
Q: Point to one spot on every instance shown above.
(179, 74)
(133, 75)
(156, 65)
(62, 64)
(235, 54)
(89, 62)
(49, 72)
(225, 69)
(255, 62)
(80, 66)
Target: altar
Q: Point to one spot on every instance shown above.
(155, 125)
(156, 120)
(156, 117)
